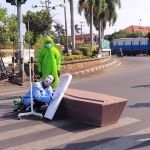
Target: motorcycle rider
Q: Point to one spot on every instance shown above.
(120, 53)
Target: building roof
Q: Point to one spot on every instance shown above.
(142, 29)
(84, 36)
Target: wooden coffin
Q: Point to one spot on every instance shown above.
(90, 107)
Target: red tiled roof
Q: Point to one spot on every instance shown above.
(78, 38)
(142, 29)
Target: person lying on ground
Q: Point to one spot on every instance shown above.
(42, 94)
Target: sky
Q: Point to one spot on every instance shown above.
(131, 12)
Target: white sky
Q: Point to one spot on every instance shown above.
(130, 13)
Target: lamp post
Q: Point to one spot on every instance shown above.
(46, 4)
(139, 28)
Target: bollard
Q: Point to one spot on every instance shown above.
(16, 58)
(32, 69)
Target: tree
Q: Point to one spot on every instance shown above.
(60, 31)
(39, 22)
(72, 24)
(77, 29)
(87, 7)
(8, 29)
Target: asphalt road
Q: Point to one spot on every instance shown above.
(128, 78)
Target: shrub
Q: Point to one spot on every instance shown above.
(4, 54)
(85, 51)
(77, 52)
(73, 57)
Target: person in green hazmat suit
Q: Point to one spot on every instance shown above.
(49, 61)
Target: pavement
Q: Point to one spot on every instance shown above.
(10, 90)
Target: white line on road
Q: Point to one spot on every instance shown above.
(72, 136)
(118, 65)
(125, 142)
(34, 129)
(9, 93)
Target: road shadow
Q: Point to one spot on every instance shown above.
(137, 142)
(139, 105)
(141, 86)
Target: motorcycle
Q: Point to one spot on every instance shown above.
(120, 54)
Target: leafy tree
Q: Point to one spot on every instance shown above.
(3, 23)
(39, 23)
(13, 30)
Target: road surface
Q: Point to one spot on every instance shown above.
(128, 78)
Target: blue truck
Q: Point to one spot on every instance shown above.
(131, 46)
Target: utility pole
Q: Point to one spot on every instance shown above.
(18, 3)
(20, 44)
(81, 31)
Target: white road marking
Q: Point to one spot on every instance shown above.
(118, 65)
(72, 136)
(9, 93)
(125, 142)
(34, 129)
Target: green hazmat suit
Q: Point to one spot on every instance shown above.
(49, 61)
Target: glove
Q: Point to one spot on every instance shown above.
(55, 96)
(58, 73)
(40, 73)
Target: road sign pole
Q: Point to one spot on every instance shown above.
(20, 44)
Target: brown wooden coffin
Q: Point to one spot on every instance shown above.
(90, 107)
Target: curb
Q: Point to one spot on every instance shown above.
(93, 69)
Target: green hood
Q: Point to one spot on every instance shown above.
(48, 39)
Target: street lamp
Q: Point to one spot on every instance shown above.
(46, 3)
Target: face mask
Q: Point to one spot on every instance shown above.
(48, 45)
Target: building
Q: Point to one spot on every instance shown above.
(142, 29)
(81, 39)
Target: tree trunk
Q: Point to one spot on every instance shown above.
(91, 27)
(66, 30)
(99, 34)
(72, 25)
(102, 28)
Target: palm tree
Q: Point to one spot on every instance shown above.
(66, 30)
(60, 31)
(103, 11)
(72, 24)
(108, 14)
(87, 6)
(77, 29)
